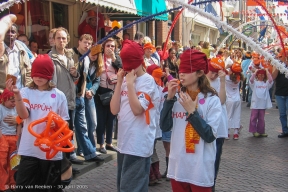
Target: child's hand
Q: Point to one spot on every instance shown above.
(172, 88)
(255, 71)
(131, 77)
(11, 87)
(221, 75)
(120, 75)
(188, 104)
(10, 120)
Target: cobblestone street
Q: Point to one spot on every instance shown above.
(248, 164)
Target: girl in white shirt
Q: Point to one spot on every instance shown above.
(134, 100)
(233, 100)
(33, 103)
(195, 118)
(260, 101)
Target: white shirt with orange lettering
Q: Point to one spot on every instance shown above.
(260, 96)
(40, 103)
(135, 136)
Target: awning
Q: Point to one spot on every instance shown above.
(127, 6)
(149, 7)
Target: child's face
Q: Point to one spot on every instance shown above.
(40, 82)
(212, 75)
(260, 77)
(188, 79)
(10, 104)
(93, 57)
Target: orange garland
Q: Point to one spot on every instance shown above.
(191, 135)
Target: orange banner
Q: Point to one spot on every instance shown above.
(254, 3)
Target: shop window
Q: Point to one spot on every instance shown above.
(60, 15)
(38, 24)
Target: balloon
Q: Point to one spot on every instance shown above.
(54, 138)
(16, 8)
(20, 19)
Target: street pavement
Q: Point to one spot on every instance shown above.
(248, 164)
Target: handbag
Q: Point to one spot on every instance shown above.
(105, 98)
(112, 80)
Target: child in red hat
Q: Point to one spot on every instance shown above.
(195, 113)
(260, 101)
(8, 138)
(33, 103)
(135, 101)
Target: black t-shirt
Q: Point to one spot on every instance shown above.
(281, 85)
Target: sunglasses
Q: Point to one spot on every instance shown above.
(110, 46)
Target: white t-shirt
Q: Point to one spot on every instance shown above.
(195, 168)
(5, 127)
(228, 61)
(40, 103)
(135, 136)
(232, 90)
(260, 96)
(222, 130)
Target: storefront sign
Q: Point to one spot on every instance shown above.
(43, 23)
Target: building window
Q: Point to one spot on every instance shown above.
(60, 15)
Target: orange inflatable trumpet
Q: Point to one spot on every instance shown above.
(55, 137)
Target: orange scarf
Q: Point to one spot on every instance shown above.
(191, 135)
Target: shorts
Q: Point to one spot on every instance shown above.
(166, 136)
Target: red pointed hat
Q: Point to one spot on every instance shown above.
(131, 55)
(193, 60)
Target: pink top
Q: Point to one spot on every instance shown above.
(110, 71)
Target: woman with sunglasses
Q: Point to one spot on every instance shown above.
(105, 118)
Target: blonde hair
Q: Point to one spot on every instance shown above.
(86, 36)
(147, 40)
(51, 85)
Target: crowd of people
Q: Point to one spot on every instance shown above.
(188, 98)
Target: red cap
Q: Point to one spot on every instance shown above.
(6, 95)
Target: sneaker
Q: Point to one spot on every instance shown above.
(256, 134)
(103, 150)
(282, 135)
(264, 135)
(235, 136)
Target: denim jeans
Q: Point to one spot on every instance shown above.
(282, 102)
(250, 94)
(104, 123)
(132, 173)
(81, 130)
(91, 118)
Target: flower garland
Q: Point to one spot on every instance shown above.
(226, 27)
(9, 3)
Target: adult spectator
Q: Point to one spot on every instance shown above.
(154, 53)
(126, 36)
(170, 63)
(17, 60)
(281, 92)
(245, 64)
(139, 37)
(94, 25)
(24, 39)
(201, 43)
(83, 142)
(65, 75)
(105, 118)
(149, 49)
(34, 47)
